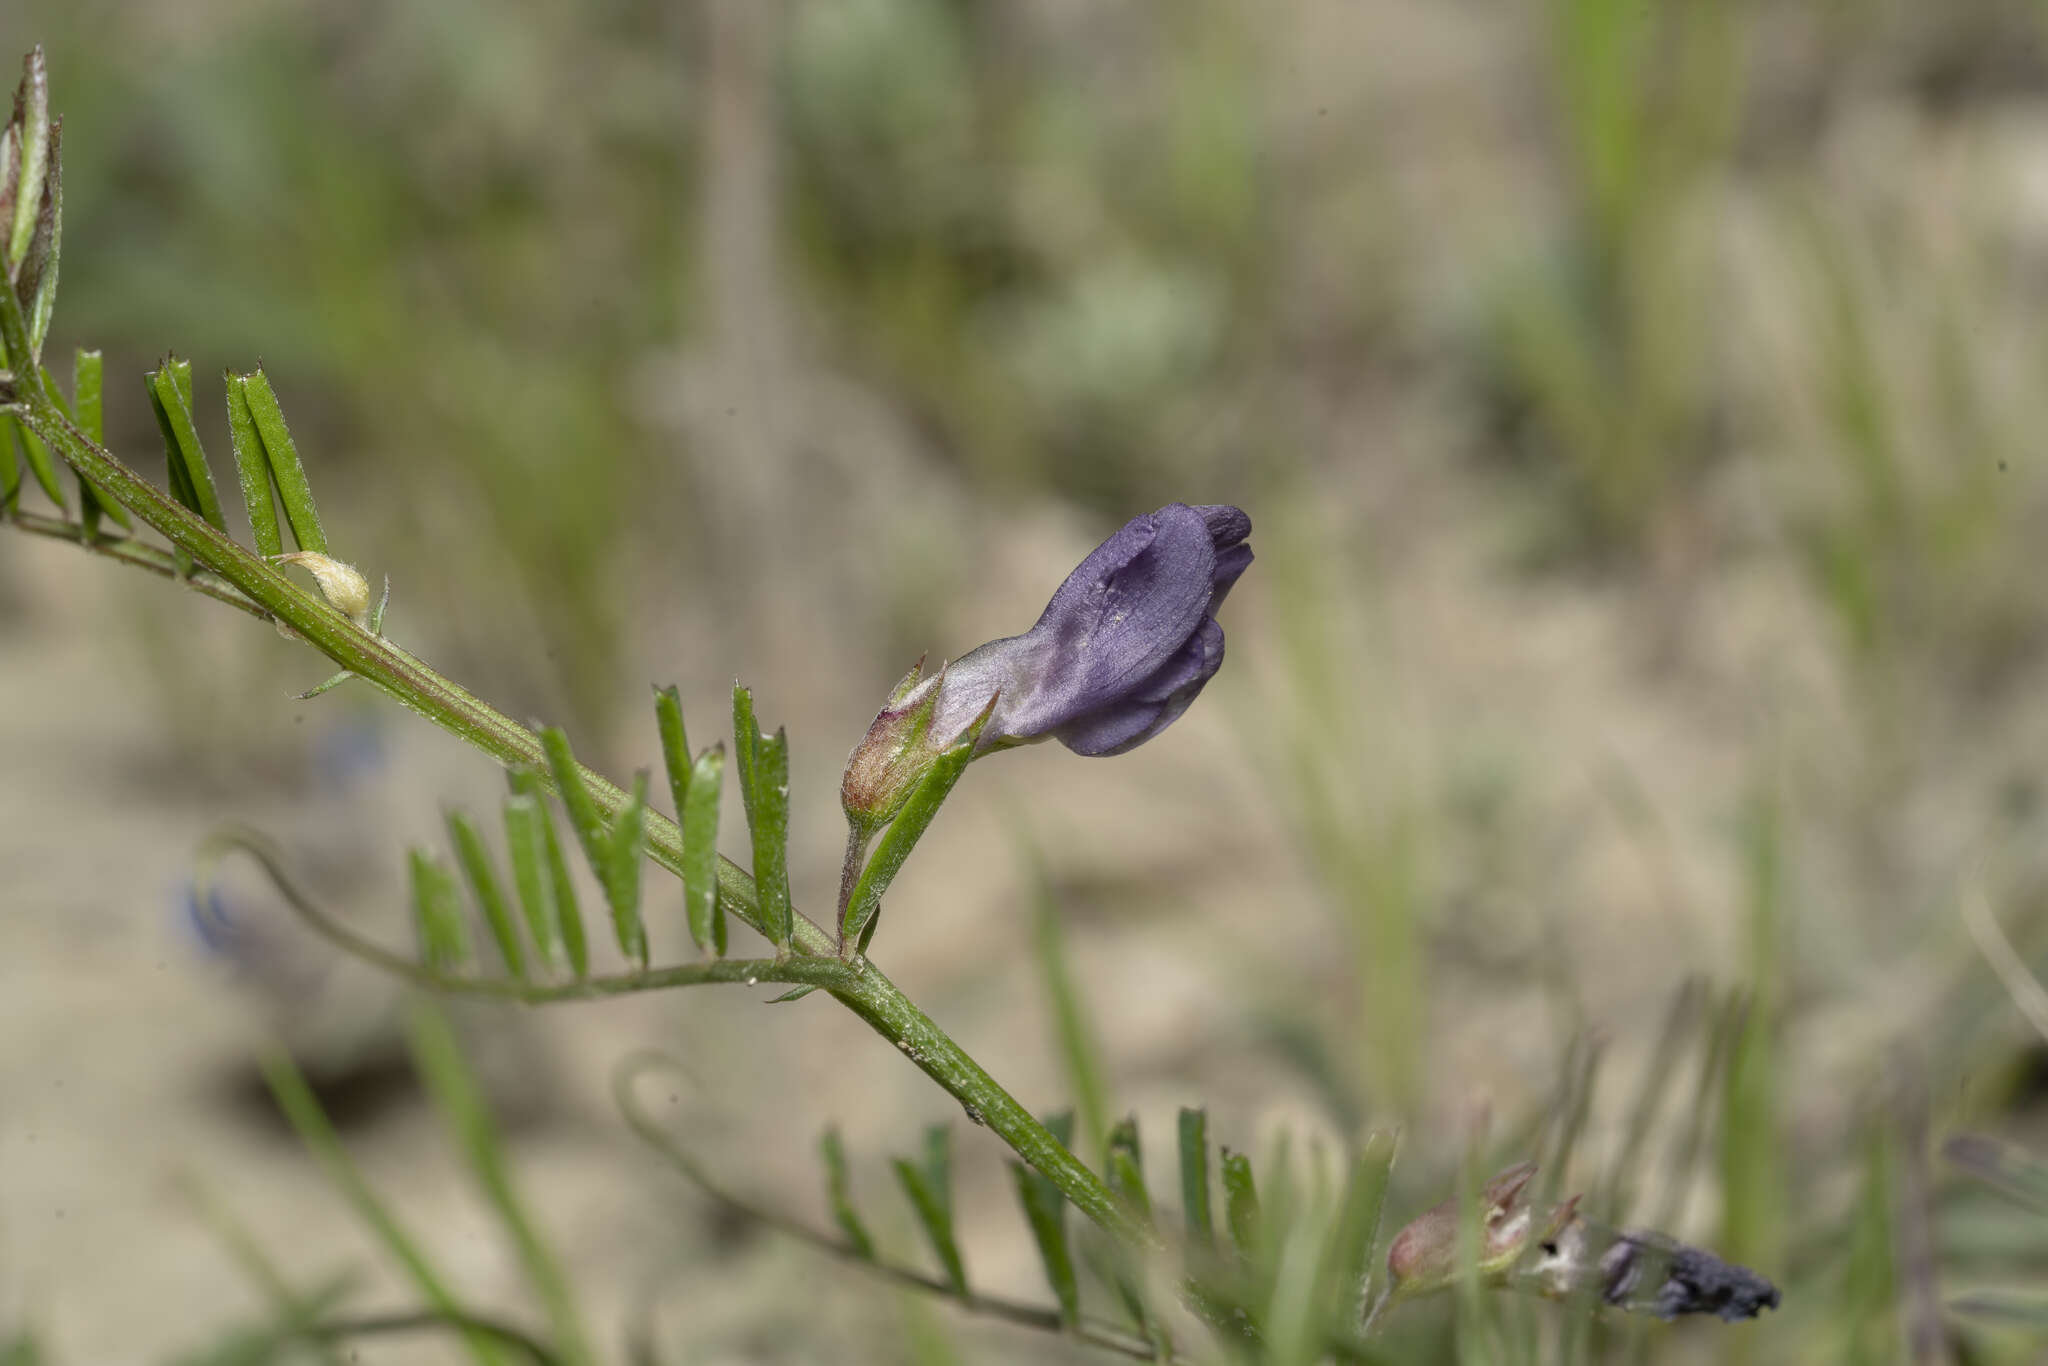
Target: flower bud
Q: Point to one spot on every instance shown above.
(894, 755)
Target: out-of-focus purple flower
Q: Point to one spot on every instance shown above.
(1122, 649)
(1423, 1257)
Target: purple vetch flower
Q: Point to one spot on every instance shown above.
(1120, 652)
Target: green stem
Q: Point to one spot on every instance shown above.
(128, 550)
(413, 685)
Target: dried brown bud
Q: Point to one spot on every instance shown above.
(1424, 1256)
(343, 585)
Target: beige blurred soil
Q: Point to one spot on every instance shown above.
(1578, 750)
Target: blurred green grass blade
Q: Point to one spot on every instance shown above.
(303, 1110)
(285, 467)
(2002, 1167)
(252, 470)
(486, 890)
(524, 842)
(460, 1100)
(1045, 1209)
(1080, 1048)
(2011, 1306)
(1869, 1303)
(170, 387)
(1194, 1178)
(840, 1191)
(1116, 1267)
(1126, 1167)
(1241, 1204)
(938, 1161)
(1295, 1322)
(929, 1186)
(88, 403)
(1618, 1199)
(903, 834)
(1752, 1175)
(1569, 1109)
(625, 845)
(292, 1312)
(928, 1340)
(1346, 1266)
(437, 914)
(699, 814)
(770, 832)
(568, 913)
(284, 1335)
(1695, 1127)
(1279, 1205)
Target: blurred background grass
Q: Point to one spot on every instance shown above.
(1638, 409)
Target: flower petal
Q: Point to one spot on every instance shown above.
(1153, 707)
(1231, 562)
(1129, 608)
(1227, 525)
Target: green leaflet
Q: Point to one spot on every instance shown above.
(568, 913)
(487, 891)
(525, 843)
(282, 453)
(1045, 1209)
(613, 850)
(437, 914)
(1194, 1178)
(88, 386)
(839, 1190)
(770, 832)
(620, 870)
(699, 814)
(170, 393)
(929, 1185)
(1241, 1203)
(252, 470)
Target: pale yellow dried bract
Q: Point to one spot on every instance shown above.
(343, 585)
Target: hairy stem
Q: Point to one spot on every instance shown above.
(408, 681)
